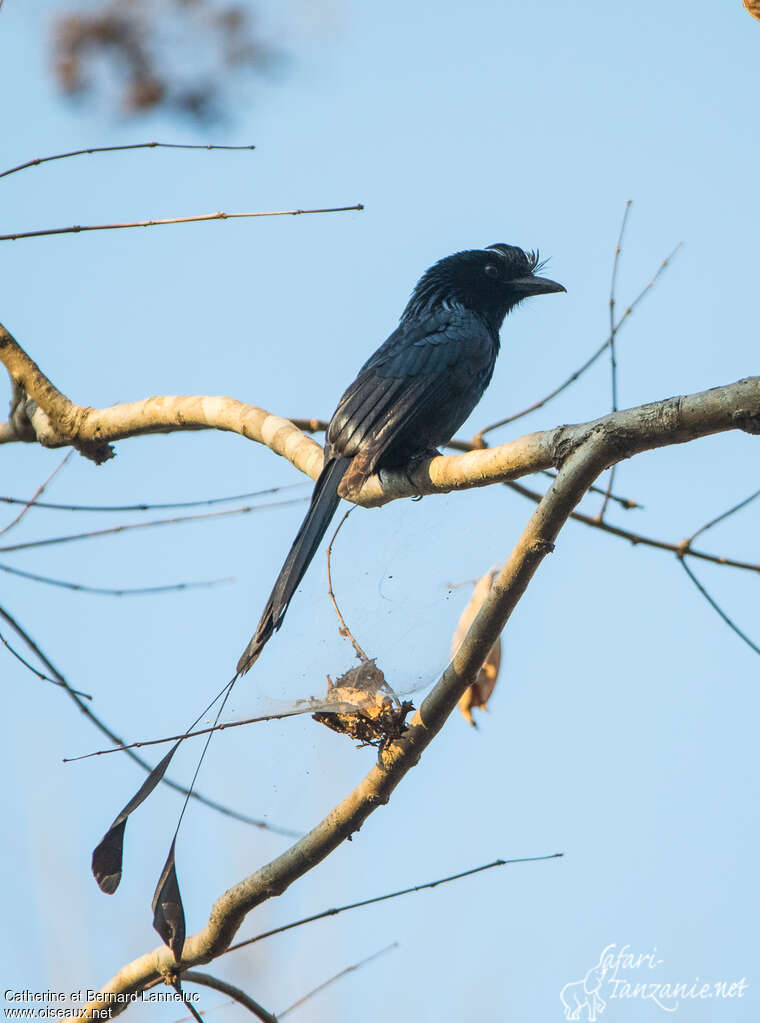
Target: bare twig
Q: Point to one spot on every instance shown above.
(338, 976)
(79, 228)
(148, 525)
(151, 506)
(344, 629)
(35, 671)
(613, 354)
(587, 364)
(38, 493)
(626, 503)
(684, 549)
(111, 149)
(388, 895)
(300, 707)
(721, 517)
(311, 425)
(716, 607)
(639, 538)
(102, 727)
(205, 1012)
(207, 980)
(128, 591)
(174, 982)
(613, 325)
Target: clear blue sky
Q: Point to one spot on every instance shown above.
(623, 731)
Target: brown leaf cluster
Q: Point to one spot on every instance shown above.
(143, 48)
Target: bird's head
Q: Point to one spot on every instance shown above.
(489, 281)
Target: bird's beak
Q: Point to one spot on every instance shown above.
(532, 285)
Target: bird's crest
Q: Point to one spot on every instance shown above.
(531, 258)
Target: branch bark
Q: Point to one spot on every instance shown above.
(41, 412)
(229, 911)
(579, 453)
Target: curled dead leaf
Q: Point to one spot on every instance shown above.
(479, 693)
(369, 710)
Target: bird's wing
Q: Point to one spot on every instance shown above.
(417, 378)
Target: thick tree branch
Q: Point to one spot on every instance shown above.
(40, 411)
(581, 465)
(627, 433)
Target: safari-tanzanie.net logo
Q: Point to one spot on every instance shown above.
(622, 974)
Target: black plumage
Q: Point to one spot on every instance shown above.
(413, 394)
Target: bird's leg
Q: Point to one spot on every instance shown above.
(414, 463)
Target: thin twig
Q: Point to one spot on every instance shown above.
(38, 493)
(587, 364)
(300, 707)
(338, 976)
(625, 502)
(111, 149)
(344, 629)
(35, 671)
(388, 895)
(613, 325)
(174, 982)
(205, 1012)
(207, 980)
(716, 607)
(638, 538)
(79, 228)
(151, 506)
(720, 518)
(102, 727)
(147, 525)
(613, 354)
(128, 591)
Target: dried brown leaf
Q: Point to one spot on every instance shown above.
(479, 693)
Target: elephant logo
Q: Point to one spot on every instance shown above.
(584, 994)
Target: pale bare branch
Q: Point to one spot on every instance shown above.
(580, 453)
(673, 421)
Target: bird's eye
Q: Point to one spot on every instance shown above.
(491, 270)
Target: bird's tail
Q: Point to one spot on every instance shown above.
(324, 502)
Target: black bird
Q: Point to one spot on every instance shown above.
(413, 394)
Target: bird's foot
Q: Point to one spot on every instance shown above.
(414, 463)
